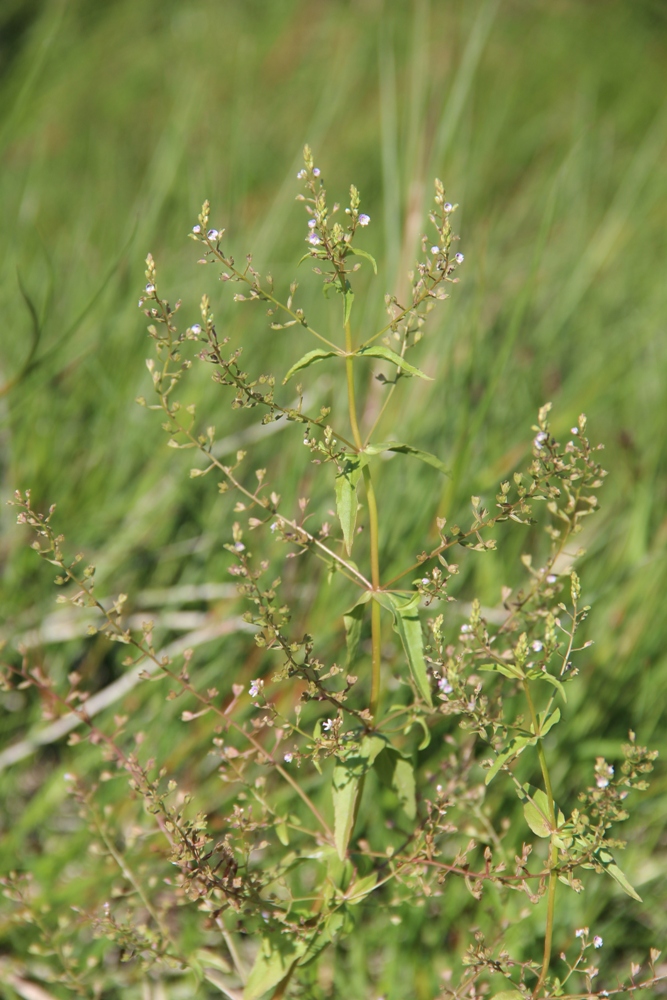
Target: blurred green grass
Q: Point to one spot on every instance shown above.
(548, 124)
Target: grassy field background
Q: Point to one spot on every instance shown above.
(548, 124)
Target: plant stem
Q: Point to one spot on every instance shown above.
(376, 624)
(349, 371)
(553, 849)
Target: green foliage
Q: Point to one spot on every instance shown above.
(535, 642)
(542, 314)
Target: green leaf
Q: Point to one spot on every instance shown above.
(507, 670)
(517, 746)
(311, 358)
(276, 956)
(407, 449)
(362, 253)
(388, 355)
(353, 620)
(396, 772)
(409, 627)
(216, 979)
(371, 746)
(349, 299)
(548, 724)
(361, 888)
(509, 995)
(404, 786)
(345, 789)
(426, 738)
(536, 812)
(210, 958)
(282, 832)
(346, 497)
(612, 869)
(346, 785)
(542, 675)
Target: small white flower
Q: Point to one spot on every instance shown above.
(537, 646)
(435, 250)
(448, 206)
(140, 303)
(574, 430)
(255, 687)
(466, 628)
(551, 578)
(300, 176)
(196, 328)
(274, 526)
(312, 223)
(150, 289)
(316, 171)
(597, 941)
(459, 258)
(239, 546)
(425, 581)
(288, 758)
(314, 239)
(364, 220)
(213, 234)
(445, 686)
(196, 229)
(327, 725)
(605, 773)
(438, 789)
(581, 932)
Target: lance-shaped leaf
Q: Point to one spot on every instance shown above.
(542, 675)
(516, 746)
(353, 620)
(347, 776)
(276, 956)
(547, 723)
(612, 869)
(397, 773)
(349, 299)
(536, 813)
(311, 358)
(366, 256)
(386, 354)
(404, 786)
(409, 627)
(407, 449)
(346, 496)
(361, 888)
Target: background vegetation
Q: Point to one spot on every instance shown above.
(548, 124)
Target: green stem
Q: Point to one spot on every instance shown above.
(349, 371)
(376, 624)
(553, 849)
(376, 636)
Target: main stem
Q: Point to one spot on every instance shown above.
(376, 625)
(553, 849)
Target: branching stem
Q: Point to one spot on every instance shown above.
(376, 622)
(553, 849)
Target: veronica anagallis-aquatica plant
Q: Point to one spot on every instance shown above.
(282, 876)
